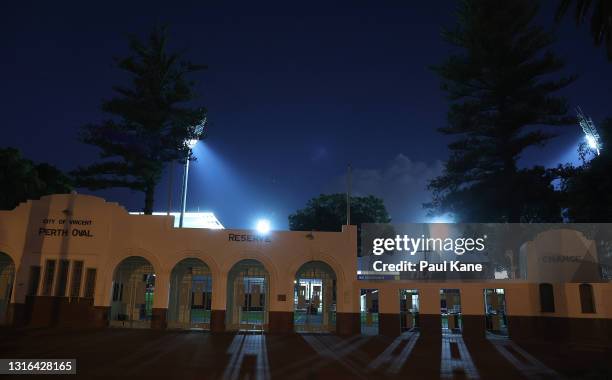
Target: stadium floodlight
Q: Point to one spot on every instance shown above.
(445, 218)
(263, 226)
(593, 141)
(191, 143)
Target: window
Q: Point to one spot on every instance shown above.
(48, 281)
(587, 301)
(90, 283)
(77, 276)
(547, 298)
(62, 278)
(34, 280)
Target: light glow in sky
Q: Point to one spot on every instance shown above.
(263, 226)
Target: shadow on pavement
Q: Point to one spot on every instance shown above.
(136, 353)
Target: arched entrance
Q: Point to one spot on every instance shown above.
(7, 275)
(315, 298)
(247, 296)
(190, 295)
(132, 293)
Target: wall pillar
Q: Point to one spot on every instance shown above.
(389, 324)
(472, 313)
(161, 299)
(161, 296)
(348, 323)
(99, 316)
(474, 327)
(388, 312)
(159, 319)
(430, 322)
(217, 320)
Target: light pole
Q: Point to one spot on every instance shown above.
(190, 144)
(199, 129)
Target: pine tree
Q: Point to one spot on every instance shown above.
(501, 84)
(150, 121)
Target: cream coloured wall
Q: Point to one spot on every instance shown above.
(116, 235)
(522, 298)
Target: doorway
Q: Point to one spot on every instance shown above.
(132, 293)
(315, 298)
(450, 310)
(7, 275)
(495, 311)
(190, 295)
(369, 311)
(247, 293)
(409, 309)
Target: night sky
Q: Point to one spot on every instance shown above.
(294, 94)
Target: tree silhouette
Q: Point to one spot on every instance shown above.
(587, 189)
(327, 212)
(600, 22)
(501, 83)
(22, 179)
(150, 121)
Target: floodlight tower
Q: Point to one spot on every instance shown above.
(591, 136)
(191, 143)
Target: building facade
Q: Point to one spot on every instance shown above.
(77, 260)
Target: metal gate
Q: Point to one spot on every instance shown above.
(7, 275)
(132, 293)
(247, 293)
(190, 295)
(368, 303)
(409, 309)
(495, 311)
(450, 310)
(315, 298)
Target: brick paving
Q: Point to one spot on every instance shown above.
(152, 354)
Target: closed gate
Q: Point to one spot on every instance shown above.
(315, 298)
(190, 295)
(133, 291)
(7, 275)
(247, 293)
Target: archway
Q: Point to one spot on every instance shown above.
(190, 295)
(132, 293)
(315, 298)
(247, 296)
(7, 275)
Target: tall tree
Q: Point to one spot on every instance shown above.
(22, 179)
(600, 22)
(501, 84)
(150, 121)
(327, 212)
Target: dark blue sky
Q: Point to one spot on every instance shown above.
(293, 93)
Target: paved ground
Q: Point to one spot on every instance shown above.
(139, 354)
